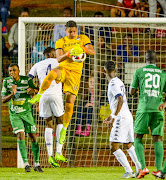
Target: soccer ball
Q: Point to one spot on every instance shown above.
(80, 58)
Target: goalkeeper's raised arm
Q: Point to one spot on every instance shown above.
(68, 72)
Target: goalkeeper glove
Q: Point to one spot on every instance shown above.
(77, 50)
(35, 99)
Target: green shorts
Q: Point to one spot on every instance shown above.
(154, 120)
(24, 122)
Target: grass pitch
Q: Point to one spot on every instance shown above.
(98, 173)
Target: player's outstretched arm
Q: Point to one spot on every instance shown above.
(90, 49)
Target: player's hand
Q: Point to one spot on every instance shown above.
(35, 99)
(14, 89)
(109, 121)
(162, 106)
(30, 91)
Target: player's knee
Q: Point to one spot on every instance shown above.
(59, 120)
(157, 138)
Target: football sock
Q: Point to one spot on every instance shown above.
(23, 150)
(68, 114)
(47, 81)
(121, 157)
(159, 153)
(133, 156)
(164, 167)
(35, 150)
(49, 140)
(139, 149)
(58, 145)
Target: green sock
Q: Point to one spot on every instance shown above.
(35, 150)
(164, 167)
(159, 153)
(139, 149)
(23, 150)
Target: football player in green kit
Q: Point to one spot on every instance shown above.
(17, 90)
(151, 82)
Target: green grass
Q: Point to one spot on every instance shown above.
(99, 173)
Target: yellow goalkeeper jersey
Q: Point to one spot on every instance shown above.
(67, 44)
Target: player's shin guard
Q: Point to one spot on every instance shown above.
(68, 114)
(159, 153)
(47, 81)
(58, 145)
(121, 157)
(35, 150)
(133, 156)
(139, 149)
(23, 150)
(49, 140)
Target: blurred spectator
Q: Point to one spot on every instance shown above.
(153, 7)
(31, 33)
(124, 12)
(5, 59)
(4, 48)
(104, 32)
(85, 109)
(59, 29)
(4, 11)
(127, 52)
(39, 47)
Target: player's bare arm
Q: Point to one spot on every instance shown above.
(61, 56)
(90, 49)
(7, 98)
(119, 105)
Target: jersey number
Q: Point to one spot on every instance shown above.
(48, 69)
(152, 80)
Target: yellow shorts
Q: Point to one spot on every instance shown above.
(70, 80)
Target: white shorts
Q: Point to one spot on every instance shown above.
(122, 130)
(51, 105)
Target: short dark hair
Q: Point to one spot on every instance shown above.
(98, 14)
(71, 24)
(68, 8)
(110, 66)
(14, 64)
(24, 9)
(150, 56)
(48, 50)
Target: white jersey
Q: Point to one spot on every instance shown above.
(41, 69)
(116, 88)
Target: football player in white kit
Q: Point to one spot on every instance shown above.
(120, 121)
(50, 104)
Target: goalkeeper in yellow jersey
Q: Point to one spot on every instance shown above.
(68, 72)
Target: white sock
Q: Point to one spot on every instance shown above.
(58, 145)
(121, 157)
(133, 156)
(49, 141)
(26, 163)
(36, 164)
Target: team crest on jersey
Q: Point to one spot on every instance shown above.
(78, 38)
(24, 81)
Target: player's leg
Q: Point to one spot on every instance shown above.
(18, 128)
(156, 126)
(69, 104)
(122, 159)
(30, 128)
(52, 75)
(59, 156)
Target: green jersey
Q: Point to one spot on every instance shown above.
(151, 82)
(19, 103)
